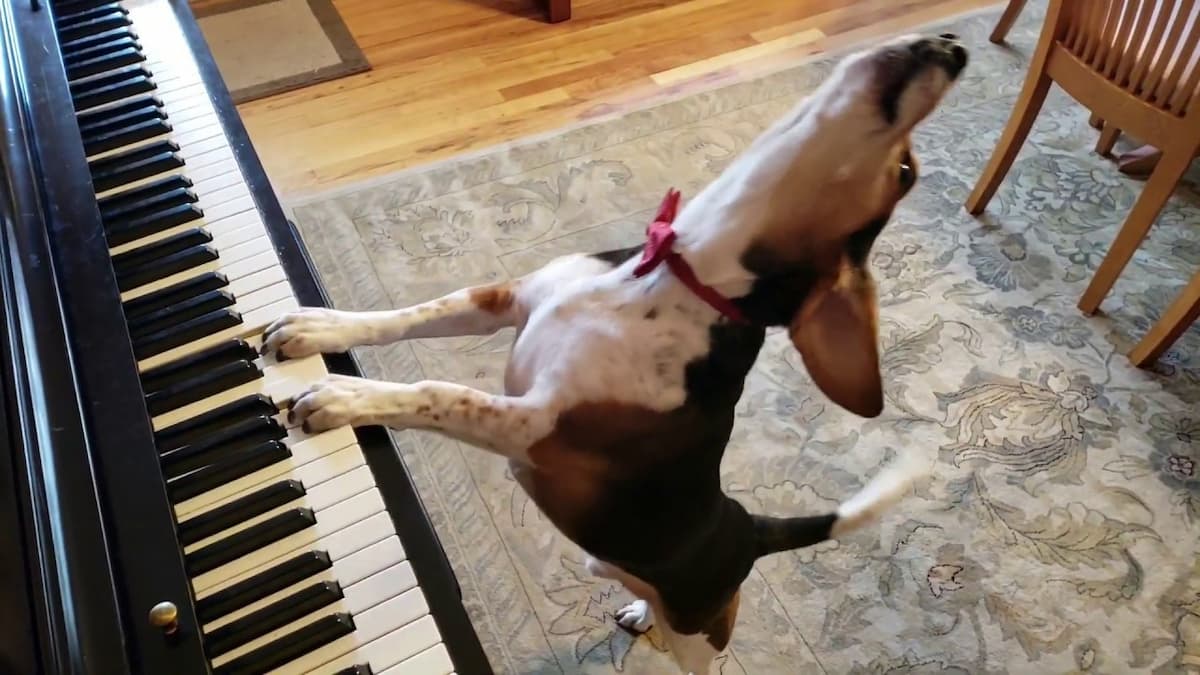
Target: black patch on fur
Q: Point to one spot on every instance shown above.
(778, 290)
(618, 257)
(652, 313)
(858, 246)
(773, 535)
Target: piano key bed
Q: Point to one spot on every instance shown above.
(289, 540)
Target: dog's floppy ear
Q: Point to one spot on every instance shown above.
(836, 332)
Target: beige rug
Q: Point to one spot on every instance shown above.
(264, 47)
(1061, 529)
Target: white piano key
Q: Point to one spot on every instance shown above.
(432, 661)
(337, 546)
(389, 584)
(314, 461)
(357, 509)
(237, 221)
(278, 382)
(385, 618)
(254, 322)
(316, 497)
(233, 264)
(413, 648)
(346, 572)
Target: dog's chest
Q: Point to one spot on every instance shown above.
(598, 339)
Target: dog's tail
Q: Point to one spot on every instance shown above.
(774, 535)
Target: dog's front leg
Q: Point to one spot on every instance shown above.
(479, 310)
(506, 425)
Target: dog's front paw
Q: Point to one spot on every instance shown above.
(336, 401)
(636, 616)
(313, 330)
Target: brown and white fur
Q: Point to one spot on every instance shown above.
(619, 391)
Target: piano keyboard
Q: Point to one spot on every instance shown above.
(294, 560)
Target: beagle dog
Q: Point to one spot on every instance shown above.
(621, 382)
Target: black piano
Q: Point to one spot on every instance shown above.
(160, 513)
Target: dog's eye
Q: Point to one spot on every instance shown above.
(907, 173)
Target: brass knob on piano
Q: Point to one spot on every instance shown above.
(165, 615)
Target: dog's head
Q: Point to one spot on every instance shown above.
(806, 201)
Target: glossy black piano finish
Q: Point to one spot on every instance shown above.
(93, 542)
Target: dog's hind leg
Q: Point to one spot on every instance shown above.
(478, 310)
(637, 615)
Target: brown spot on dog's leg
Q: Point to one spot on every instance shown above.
(721, 628)
(494, 299)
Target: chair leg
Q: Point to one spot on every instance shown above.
(1108, 138)
(1174, 322)
(1007, 19)
(1024, 113)
(1145, 211)
(558, 10)
(1096, 121)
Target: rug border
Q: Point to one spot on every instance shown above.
(351, 59)
(292, 202)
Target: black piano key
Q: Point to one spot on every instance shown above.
(93, 22)
(127, 262)
(219, 379)
(81, 68)
(213, 449)
(193, 365)
(109, 173)
(120, 138)
(188, 331)
(360, 669)
(183, 311)
(96, 119)
(239, 510)
(148, 201)
(164, 297)
(311, 637)
(67, 18)
(161, 268)
(187, 431)
(128, 120)
(275, 615)
(114, 92)
(107, 43)
(251, 539)
(169, 217)
(237, 465)
(74, 47)
(271, 580)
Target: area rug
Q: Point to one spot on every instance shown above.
(1058, 531)
(265, 47)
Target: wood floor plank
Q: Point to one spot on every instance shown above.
(453, 77)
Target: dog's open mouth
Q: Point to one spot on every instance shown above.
(902, 63)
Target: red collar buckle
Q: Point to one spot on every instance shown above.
(660, 237)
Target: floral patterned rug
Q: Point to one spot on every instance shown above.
(1060, 529)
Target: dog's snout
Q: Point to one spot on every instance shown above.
(944, 50)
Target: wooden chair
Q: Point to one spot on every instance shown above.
(1133, 64)
(1007, 19)
(558, 10)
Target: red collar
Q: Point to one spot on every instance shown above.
(659, 238)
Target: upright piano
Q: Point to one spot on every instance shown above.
(160, 514)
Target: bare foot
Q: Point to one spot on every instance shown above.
(1139, 163)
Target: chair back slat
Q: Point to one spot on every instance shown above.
(1127, 30)
(1149, 48)
(1135, 43)
(1168, 56)
(1108, 34)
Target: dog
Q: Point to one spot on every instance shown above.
(626, 366)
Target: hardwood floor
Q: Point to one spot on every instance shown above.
(454, 76)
